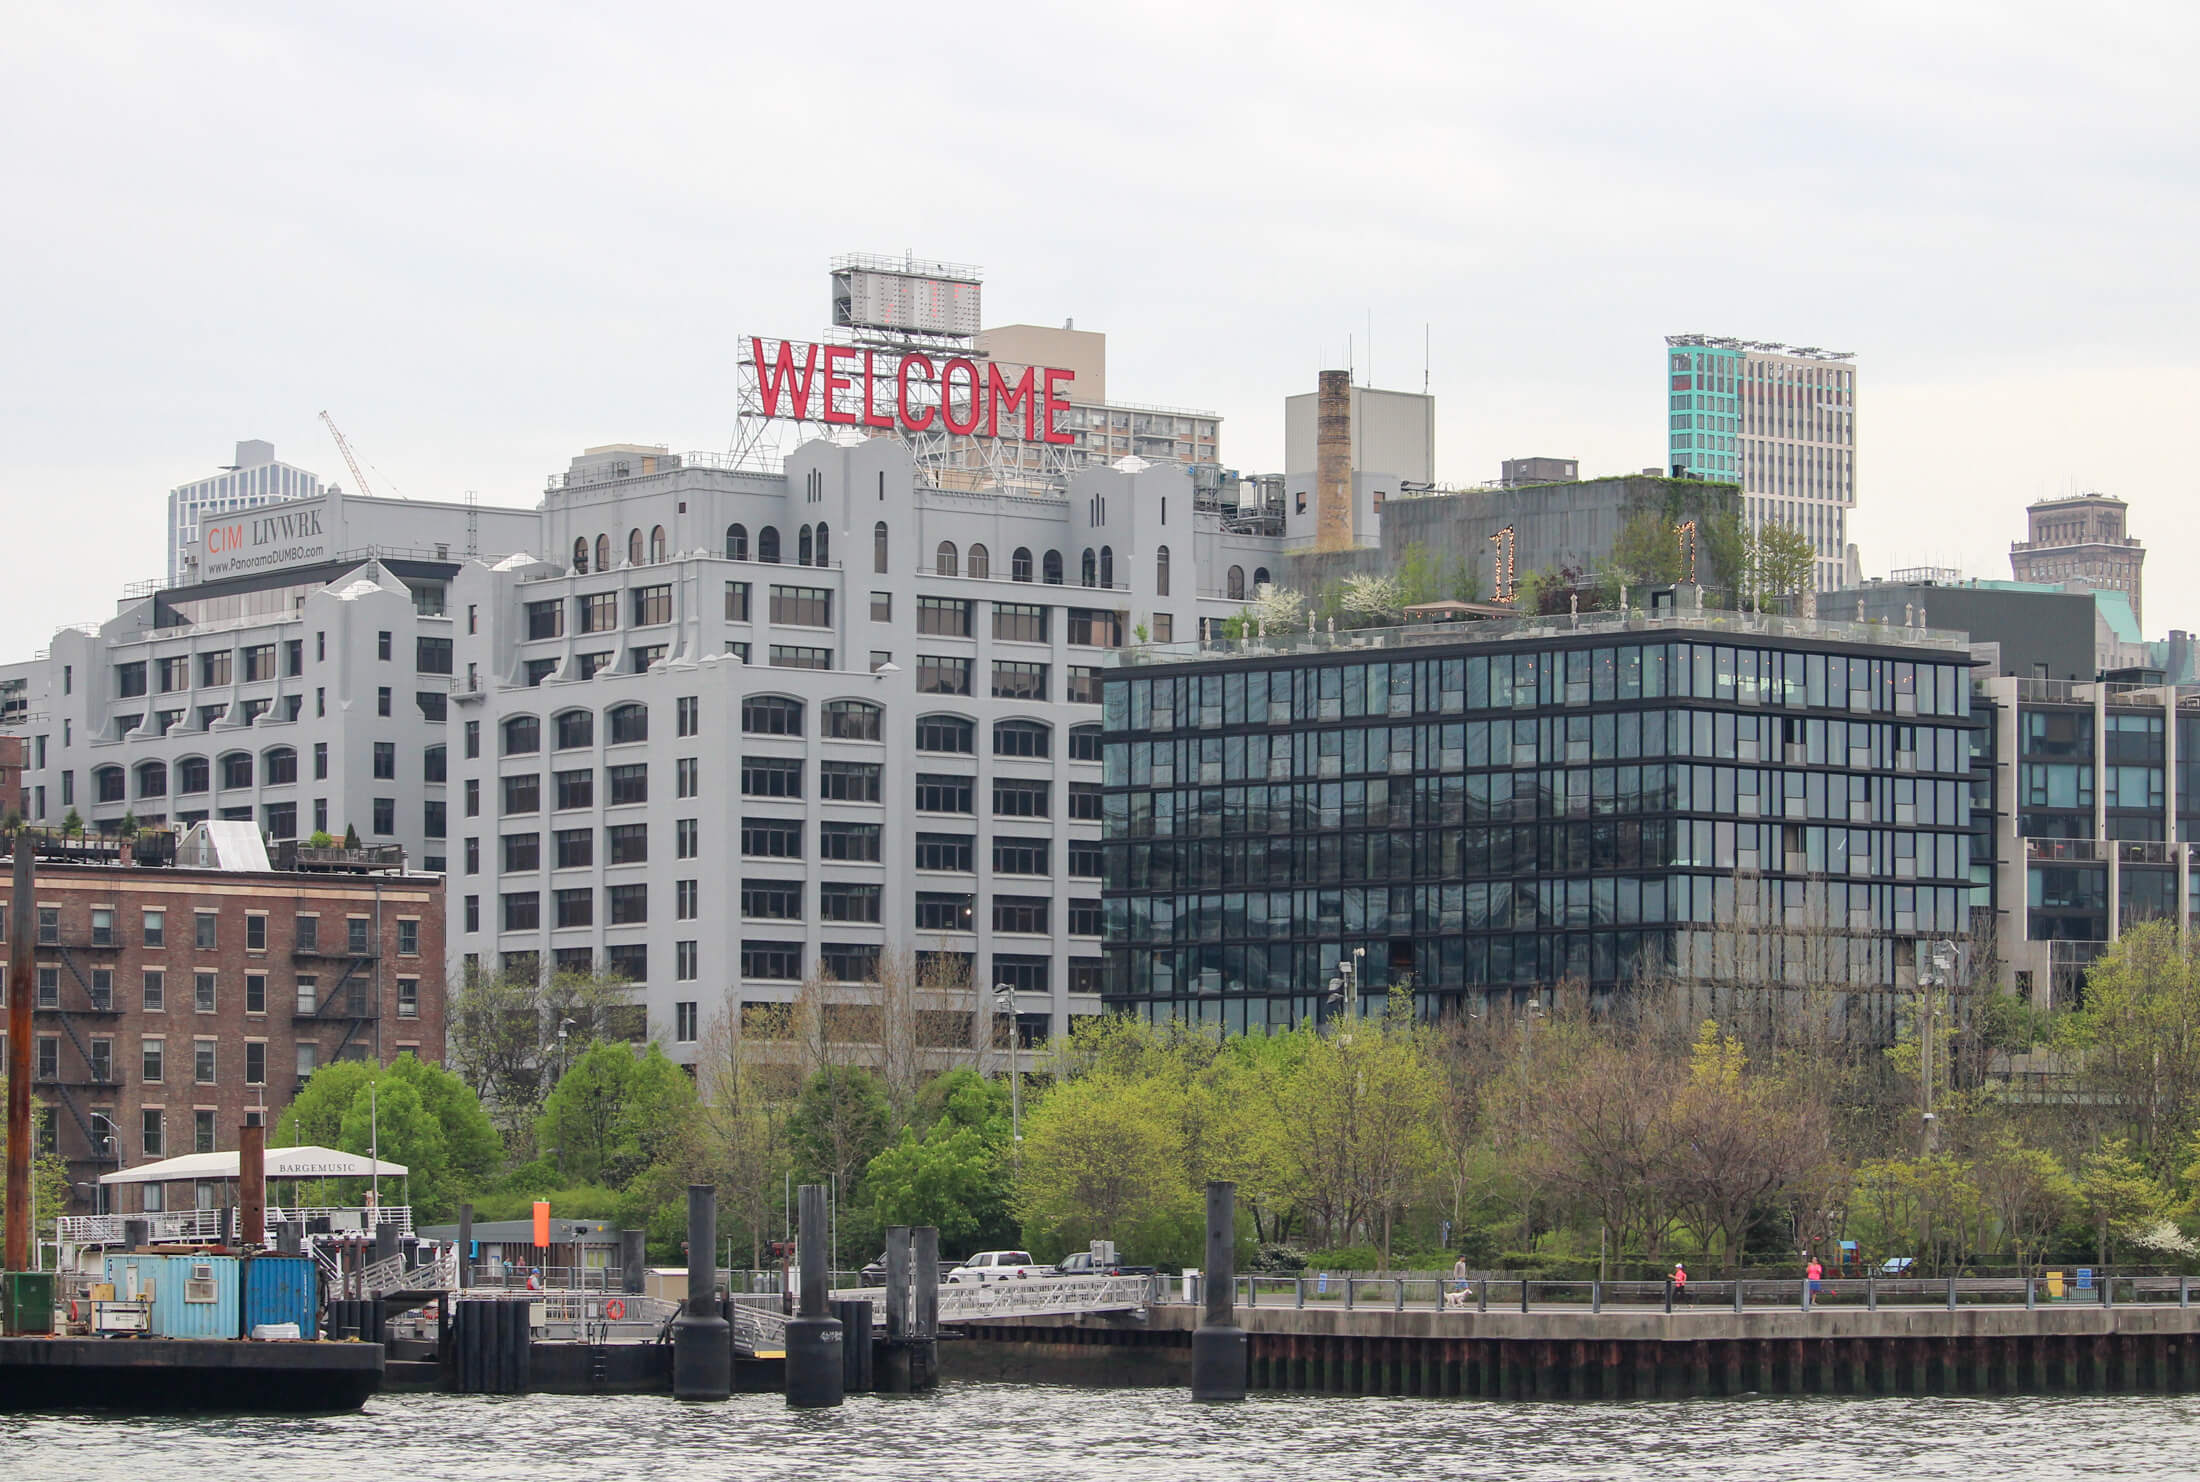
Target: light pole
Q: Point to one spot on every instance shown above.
(1344, 989)
(1004, 997)
(558, 1154)
(110, 1149)
(1936, 969)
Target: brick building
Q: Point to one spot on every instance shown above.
(171, 998)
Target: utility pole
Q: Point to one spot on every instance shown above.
(1004, 996)
(22, 965)
(1935, 969)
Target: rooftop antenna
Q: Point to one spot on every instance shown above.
(1424, 357)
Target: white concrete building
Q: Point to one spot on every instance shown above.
(257, 478)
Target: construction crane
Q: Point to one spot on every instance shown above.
(344, 447)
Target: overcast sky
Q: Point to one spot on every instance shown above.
(485, 236)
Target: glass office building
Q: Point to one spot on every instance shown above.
(1479, 814)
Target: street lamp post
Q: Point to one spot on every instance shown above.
(1344, 989)
(1004, 997)
(110, 1149)
(558, 1153)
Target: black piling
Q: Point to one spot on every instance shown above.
(856, 1352)
(924, 1279)
(633, 1262)
(137, 1234)
(1218, 1344)
(894, 1374)
(702, 1340)
(814, 1362)
(465, 1246)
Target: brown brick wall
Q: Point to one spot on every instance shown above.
(371, 1025)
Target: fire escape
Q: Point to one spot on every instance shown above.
(77, 996)
(352, 1000)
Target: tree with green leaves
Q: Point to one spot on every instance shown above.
(616, 1113)
(1100, 1162)
(956, 1174)
(503, 1036)
(2119, 1198)
(2135, 1043)
(419, 1114)
(49, 1173)
(1778, 561)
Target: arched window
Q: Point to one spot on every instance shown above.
(657, 543)
(1233, 585)
(802, 546)
(1022, 738)
(574, 728)
(878, 548)
(1084, 743)
(1019, 564)
(191, 774)
(981, 562)
(634, 546)
(737, 542)
(522, 735)
(152, 779)
(278, 764)
(603, 553)
(1107, 566)
(1088, 569)
(109, 785)
(626, 724)
(1053, 568)
(1260, 577)
(580, 556)
(771, 715)
(851, 720)
(237, 769)
(824, 544)
(767, 544)
(1161, 572)
(944, 561)
(951, 733)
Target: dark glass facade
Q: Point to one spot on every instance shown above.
(1488, 818)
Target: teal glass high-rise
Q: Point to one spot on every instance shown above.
(1704, 380)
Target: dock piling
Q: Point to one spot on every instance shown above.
(815, 1369)
(702, 1343)
(1218, 1345)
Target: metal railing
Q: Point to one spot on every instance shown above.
(1870, 1292)
(205, 1226)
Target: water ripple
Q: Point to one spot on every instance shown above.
(997, 1432)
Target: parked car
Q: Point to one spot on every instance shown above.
(1084, 1263)
(997, 1265)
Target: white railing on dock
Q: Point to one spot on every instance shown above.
(205, 1226)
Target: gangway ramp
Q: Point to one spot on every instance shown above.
(761, 1329)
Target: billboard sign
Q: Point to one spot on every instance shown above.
(241, 542)
(910, 393)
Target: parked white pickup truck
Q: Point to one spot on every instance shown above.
(998, 1265)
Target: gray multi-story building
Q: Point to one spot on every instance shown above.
(2081, 542)
(716, 729)
(257, 478)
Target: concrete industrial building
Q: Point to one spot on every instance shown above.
(2081, 541)
(1778, 420)
(254, 480)
(1101, 431)
(179, 988)
(712, 727)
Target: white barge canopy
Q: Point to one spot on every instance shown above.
(303, 1162)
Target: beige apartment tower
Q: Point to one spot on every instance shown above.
(2080, 540)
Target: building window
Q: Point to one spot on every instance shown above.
(938, 792)
(255, 1062)
(944, 911)
(627, 785)
(150, 1068)
(1019, 681)
(771, 838)
(203, 923)
(202, 1061)
(683, 961)
(626, 843)
(1021, 913)
(1019, 797)
(944, 561)
(737, 601)
(522, 852)
(802, 607)
(522, 910)
(943, 617)
(432, 655)
(385, 761)
(1019, 564)
(1021, 622)
(684, 1018)
(575, 788)
(382, 701)
(576, 848)
(652, 605)
(771, 715)
(151, 1142)
(574, 907)
(545, 619)
(385, 816)
(771, 777)
(772, 900)
(155, 990)
(1027, 738)
(948, 733)
(1084, 801)
(771, 960)
(202, 1132)
(1161, 572)
(850, 720)
(841, 900)
(408, 937)
(942, 676)
(596, 613)
(944, 852)
(687, 779)
(852, 842)
(1022, 974)
(849, 782)
(688, 715)
(1015, 856)
(1083, 687)
(686, 838)
(797, 656)
(1084, 918)
(1084, 859)
(1084, 743)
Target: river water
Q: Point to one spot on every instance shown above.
(978, 1432)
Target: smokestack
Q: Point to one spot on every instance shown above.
(252, 1183)
(1333, 514)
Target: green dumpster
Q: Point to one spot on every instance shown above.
(26, 1302)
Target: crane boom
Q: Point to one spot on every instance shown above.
(344, 447)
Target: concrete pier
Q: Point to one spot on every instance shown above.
(150, 1375)
(1645, 1354)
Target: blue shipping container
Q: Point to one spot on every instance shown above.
(280, 1289)
(194, 1296)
